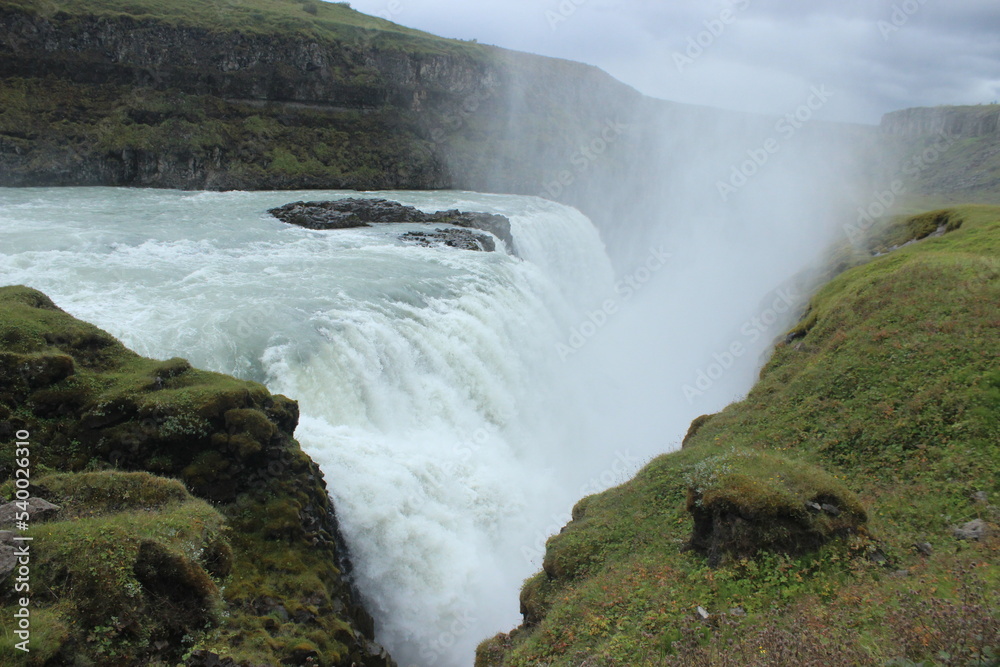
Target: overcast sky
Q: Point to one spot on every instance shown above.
(753, 55)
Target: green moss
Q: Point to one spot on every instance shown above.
(693, 429)
(92, 494)
(760, 485)
(900, 230)
(50, 632)
(744, 502)
(251, 423)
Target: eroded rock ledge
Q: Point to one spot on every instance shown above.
(184, 523)
(358, 212)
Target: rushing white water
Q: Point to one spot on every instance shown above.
(430, 383)
(458, 402)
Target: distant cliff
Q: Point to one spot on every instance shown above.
(278, 95)
(948, 153)
(958, 122)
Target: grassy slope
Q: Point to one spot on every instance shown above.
(320, 20)
(255, 577)
(895, 392)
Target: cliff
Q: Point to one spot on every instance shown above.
(958, 122)
(273, 94)
(844, 514)
(946, 154)
(190, 525)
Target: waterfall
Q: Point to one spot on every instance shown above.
(431, 388)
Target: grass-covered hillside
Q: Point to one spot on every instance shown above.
(311, 18)
(190, 525)
(845, 513)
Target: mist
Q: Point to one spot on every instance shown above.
(714, 222)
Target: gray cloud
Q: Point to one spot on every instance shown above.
(877, 55)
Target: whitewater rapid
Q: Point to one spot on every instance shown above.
(432, 390)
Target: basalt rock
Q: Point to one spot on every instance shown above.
(463, 239)
(35, 509)
(359, 212)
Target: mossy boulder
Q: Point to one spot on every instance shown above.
(693, 429)
(141, 568)
(744, 502)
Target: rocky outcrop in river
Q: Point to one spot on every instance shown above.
(358, 212)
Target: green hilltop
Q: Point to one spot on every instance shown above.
(814, 522)
(309, 18)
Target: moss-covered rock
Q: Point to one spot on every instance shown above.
(121, 574)
(744, 502)
(693, 429)
(166, 574)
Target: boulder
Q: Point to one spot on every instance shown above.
(38, 510)
(973, 530)
(462, 239)
(8, 561)
(360, 212)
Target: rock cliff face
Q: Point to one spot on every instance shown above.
(351, 74)
(115, 99)
(957, 122)
(949, 152)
